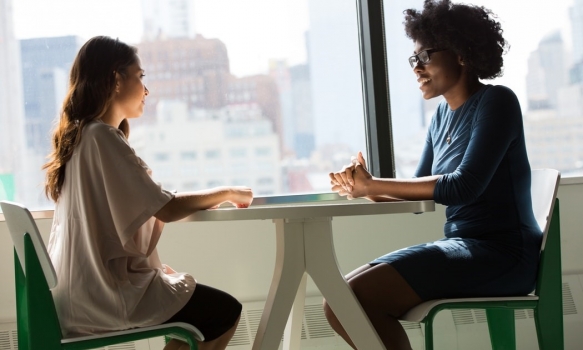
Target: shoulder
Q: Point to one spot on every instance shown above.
(98, 130)
(99, 135)
(499, 93)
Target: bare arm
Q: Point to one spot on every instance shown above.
(408, 189)
(184, 204)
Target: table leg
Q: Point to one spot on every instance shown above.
(322, 266)
(287, 276)
(292, 335)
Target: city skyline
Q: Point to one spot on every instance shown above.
(329, 122)
(213, 22)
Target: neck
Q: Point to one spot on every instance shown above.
(112, 117)
(458, 96)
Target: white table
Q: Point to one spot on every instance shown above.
(304, 246)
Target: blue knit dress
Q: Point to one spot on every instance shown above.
(492, 241)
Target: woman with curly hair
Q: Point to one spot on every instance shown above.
(474, 162)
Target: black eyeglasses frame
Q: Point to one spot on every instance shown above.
(422, 57)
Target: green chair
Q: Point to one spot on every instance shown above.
(546, 301)
(36, 316)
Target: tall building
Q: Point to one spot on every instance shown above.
(547, 73)
(335, 74)
(196, 71)
(576, 14)
(301, 92)
(295, 94)
(168, 19)
(46, 63)
(11, 112)
(553, 125)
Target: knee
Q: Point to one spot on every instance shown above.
(360, 289)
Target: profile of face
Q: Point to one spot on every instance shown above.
(440, 74)
(131, 92)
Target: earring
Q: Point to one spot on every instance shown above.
(462, 63)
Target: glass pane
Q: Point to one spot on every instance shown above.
(260, 93)
(544, 67)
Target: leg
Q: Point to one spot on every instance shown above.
(215, 313)
(322, 266)
(219, 343)
(384, 295)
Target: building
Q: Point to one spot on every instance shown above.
(11, 111)
(46, 63)
(576, 15)
(168, 19)
(295, 95)
(547, 73)
(195, 149)
(196, 71)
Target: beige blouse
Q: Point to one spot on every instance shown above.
(103, 241)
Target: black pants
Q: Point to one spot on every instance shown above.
(210, 310)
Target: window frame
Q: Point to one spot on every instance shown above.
(375, 88)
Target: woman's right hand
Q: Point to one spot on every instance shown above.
(345, 181)
(240, 196)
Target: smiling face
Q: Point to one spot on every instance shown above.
(131, 92)
(442, 75)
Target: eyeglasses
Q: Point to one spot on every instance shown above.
(423, 57)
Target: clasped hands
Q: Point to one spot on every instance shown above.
(352, 181)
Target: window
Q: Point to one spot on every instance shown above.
(543, 67)
(282, 81)
(302, 80)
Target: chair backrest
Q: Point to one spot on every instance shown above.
(544, 186)
(34, 275)
(20, 221)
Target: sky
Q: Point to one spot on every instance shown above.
(255, 31)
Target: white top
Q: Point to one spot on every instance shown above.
(103, 241)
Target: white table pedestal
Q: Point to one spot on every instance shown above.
(306, 246)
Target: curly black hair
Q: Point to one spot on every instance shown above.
(470, 31)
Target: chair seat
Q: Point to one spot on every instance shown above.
(419, 312)
(197, 334)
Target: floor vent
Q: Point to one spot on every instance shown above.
(480, 315)
(569, 307)
(5, 343)
(462, 316)
(318, 326)
(242, 334)
(410, 325)
(14, 334)
(523, 314)
(124, 346)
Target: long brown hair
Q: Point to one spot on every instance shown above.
(92, 86)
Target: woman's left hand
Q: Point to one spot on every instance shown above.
(352, 180)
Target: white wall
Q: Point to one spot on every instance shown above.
(239, 256)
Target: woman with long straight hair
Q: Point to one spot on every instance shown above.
(109, 213)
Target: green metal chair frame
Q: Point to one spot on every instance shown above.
(546, 301)
(37, 321)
